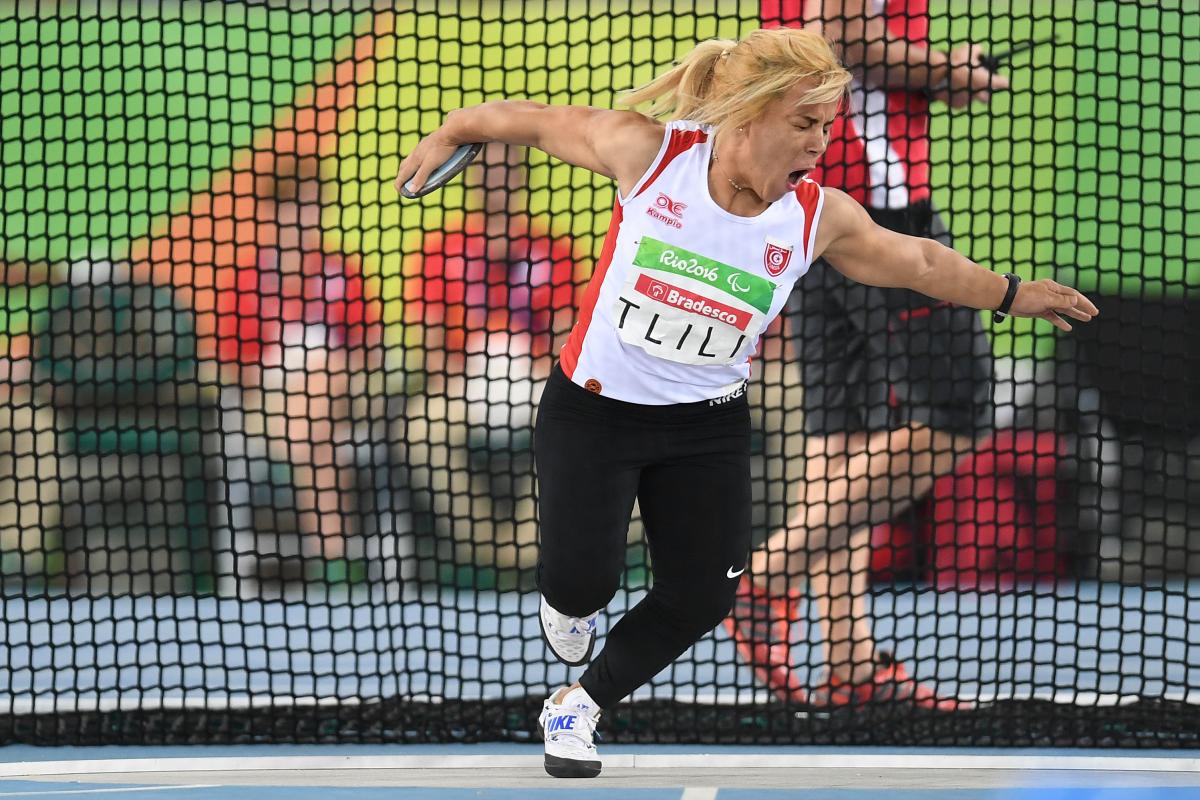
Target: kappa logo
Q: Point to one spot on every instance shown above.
(776, 257)
(673, 209)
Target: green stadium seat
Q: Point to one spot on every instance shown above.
(118, 363)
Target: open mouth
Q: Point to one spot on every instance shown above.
(795, 176)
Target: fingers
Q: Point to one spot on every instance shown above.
(1055, 320)
(1077, 313)
(965, 55)
(408, 168)
(417, 166)
(414, 170)
(1086, 305)
(1075, 302)
(984, 82)
(430, 153)
(1051, 301)
(421, 175)
(1066, 298)
(984, 78)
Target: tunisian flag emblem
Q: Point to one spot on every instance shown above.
(776, 257)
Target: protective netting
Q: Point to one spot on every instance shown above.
(265, 431)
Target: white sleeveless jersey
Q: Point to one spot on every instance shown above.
(683, 289)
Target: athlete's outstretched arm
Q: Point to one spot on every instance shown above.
(616, 144)
(861, 250)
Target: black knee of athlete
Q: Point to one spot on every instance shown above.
(576, 595)
(719, 605)
(705, 610)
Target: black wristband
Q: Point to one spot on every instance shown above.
(1013, 282)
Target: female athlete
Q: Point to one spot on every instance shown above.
(715, 220)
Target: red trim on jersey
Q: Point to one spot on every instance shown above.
(809, 195)
(569, 356)
(679, 142)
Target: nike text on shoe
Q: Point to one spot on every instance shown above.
(571, 639)
(568, 729)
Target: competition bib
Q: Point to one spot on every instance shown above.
(684, 307)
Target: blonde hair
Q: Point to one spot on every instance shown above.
(726, 84)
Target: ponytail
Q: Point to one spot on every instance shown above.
(679, 91)
(726, 84)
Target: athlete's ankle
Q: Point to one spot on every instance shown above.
(857, 665)
(558, 696)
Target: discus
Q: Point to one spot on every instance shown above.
(445, 172)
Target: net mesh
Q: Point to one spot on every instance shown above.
(265, 431)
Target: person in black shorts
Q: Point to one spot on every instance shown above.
(897, 388)
(715, 221)
(896, 385)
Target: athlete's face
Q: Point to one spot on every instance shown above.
(785, 143)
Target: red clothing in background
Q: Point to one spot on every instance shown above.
(258, 307)
(991, 524)
(470, 283)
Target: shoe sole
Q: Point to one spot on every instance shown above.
(586, 656)
(559, 767)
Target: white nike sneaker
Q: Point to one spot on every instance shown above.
(568, 729)
(571, 639)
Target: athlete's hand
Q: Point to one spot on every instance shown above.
(429, 154)
(966, 79)
(1052, 301)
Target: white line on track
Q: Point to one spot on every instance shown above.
(699, 793)
(105, 791)
(884, 760)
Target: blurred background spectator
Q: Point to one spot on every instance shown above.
(493, 295)
(296, 334)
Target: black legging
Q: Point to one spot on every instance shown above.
(688, 466)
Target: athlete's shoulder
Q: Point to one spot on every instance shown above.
(677, 138)
(630, 128)
(627, 142)
(840, 206)
(841, 215)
